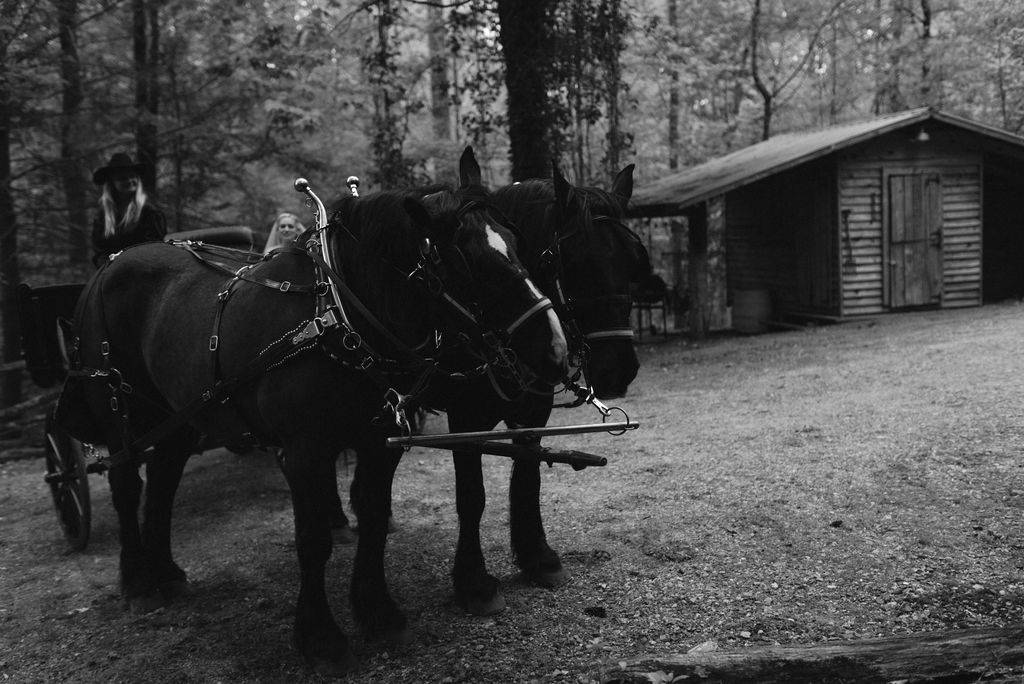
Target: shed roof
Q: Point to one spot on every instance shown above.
(671, 194)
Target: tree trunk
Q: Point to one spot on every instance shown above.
(440, 85)
(766, 93)
(146, 51)
(616, 139)
(673, 97)
(388, 136)
(524, 41)
(889, 61)
(926, 66)
(76, 187)
(969, 655)
(10, 276)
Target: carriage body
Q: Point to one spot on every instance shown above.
(42, 309)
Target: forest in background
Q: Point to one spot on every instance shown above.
(234, 100)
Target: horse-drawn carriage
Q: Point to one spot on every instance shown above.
(400, 301)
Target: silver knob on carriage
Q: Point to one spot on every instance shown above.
(301, 185)
(353, 185)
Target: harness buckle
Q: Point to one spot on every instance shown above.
(329, 319)
(366, 363)
(313, 329)
(285, 286)
(214, 342)
(322, 288)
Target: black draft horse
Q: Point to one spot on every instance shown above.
(160, 324)
(575, 245)
(577, 248)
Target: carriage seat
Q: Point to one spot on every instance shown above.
(42, 311)
(236, 237)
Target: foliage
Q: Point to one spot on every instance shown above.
(254, 94)
(586, 83)
(479, 74)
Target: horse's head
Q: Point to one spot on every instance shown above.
(477, 249)
(595, 257)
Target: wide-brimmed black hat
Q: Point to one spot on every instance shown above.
(121, 162)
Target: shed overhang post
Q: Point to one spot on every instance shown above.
(697, 269)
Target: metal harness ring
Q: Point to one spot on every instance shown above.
(625, 416)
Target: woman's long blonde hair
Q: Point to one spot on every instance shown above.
(131, 213)
(274, 237)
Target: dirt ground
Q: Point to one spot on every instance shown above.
(839, 482)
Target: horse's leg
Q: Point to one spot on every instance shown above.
(538, 561)
(310, 474)
(139, 584)
(163, 475)
(341, 530)
(476, 590)
(353, 497)
(374, 609)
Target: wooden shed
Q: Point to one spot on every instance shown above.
(916, 209)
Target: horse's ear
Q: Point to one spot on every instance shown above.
(419, 215)
(564, 196)
(469, 169)
(623, 185)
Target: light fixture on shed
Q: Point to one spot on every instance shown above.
(922, 135)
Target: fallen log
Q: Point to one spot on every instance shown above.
(969, 655)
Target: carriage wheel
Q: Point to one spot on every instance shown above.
(69, 483)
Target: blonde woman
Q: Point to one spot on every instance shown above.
(285, 229)
(127, 217)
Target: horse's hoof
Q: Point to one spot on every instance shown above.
(174, 589)
(396, 639)
(386, 624)
(343, 535)
(329, 666)
(145, 603)
(482, 607)
(332, 668)
(478, 592)
(547, 579)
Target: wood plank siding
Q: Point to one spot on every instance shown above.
(781, 237)
(878, 186)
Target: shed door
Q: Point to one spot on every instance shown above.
(915, 240)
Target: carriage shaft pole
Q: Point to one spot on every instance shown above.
(526, 433)
(577, 459)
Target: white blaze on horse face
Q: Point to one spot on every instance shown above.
(497, 242)
(559, 345)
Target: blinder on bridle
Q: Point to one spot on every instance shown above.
(586, 319)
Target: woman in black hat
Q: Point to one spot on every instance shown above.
(126, 217)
